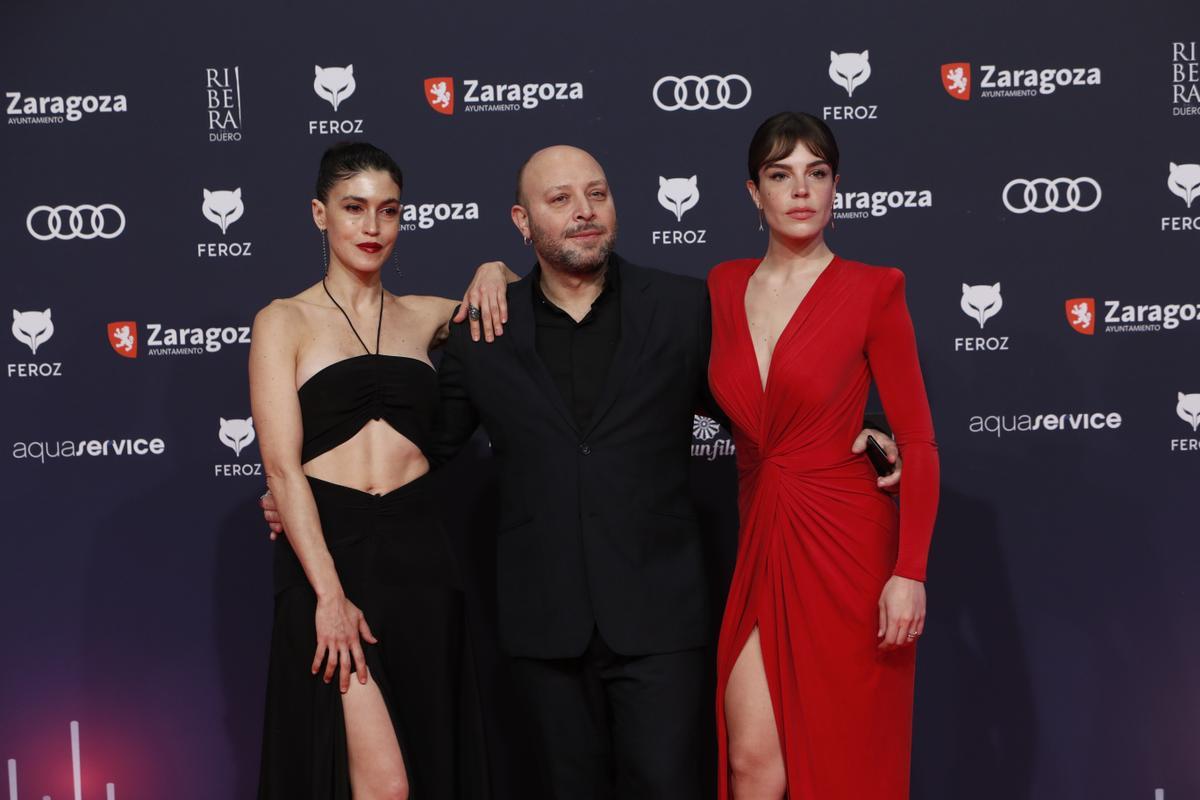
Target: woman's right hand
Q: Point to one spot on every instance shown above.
(340, 623)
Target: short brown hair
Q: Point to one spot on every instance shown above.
(778, 136)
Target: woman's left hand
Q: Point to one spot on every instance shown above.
(901, 613)
(488, 292)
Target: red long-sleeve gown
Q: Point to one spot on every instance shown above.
(818, 539)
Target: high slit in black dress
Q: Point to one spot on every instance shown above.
(395, 563)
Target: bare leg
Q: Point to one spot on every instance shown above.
(755, 757)
(376, 764)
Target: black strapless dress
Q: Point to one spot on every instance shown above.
(396, 564)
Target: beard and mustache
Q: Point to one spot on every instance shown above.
(556, 250)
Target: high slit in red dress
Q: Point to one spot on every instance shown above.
(818, 540)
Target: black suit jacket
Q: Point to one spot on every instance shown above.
(596, 526)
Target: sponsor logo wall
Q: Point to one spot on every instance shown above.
(1039, 186)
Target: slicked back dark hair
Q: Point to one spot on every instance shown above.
(347, 159)
(776, 138)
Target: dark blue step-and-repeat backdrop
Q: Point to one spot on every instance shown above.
(1034, 168)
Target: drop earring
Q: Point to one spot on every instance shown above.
(324, 252)
(760, 218)
(528, 241)
(396, 259)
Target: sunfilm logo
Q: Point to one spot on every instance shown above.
(1187, 408)
(223, 207)
(237, 435)
(1116, 316)
(850, 71)
(678, 196)
(708, 442)
(864, 205)
(43, 451)
(423, 216)
(1000, 424)
(56, 109)
(161, 340)
(981, 303)
(33, 329)
(335, 85)
(479, 95)
(1000, 82)
(1185, 80)
(223, 87)
(1184, 182)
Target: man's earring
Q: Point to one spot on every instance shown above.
(528, 241)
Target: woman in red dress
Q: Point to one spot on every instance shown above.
(816, 661)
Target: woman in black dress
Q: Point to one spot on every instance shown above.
(371, 690)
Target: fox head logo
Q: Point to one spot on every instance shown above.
(32, 327)
(335, 84)
(677, 195)
(1184, 181)
(849, 70)
(223, 207)
(981, 302)
(1189, 409)
(236, 433)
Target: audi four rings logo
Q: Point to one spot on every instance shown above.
(693, 93)
(80, 222)
(1043, 195)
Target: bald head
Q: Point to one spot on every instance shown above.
(557, 165)
(565, 210)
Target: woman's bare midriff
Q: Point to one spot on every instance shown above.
(375, 460)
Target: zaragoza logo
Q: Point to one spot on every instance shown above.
(439, 93)
(123, 337)
(1081, 314)
(956, 80)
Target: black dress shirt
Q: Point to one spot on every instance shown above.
(578, 354)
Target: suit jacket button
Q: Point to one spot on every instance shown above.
(585, 448)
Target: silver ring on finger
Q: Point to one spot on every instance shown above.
(473, 313)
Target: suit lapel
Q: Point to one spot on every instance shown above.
(519, 333)
(637, 312)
